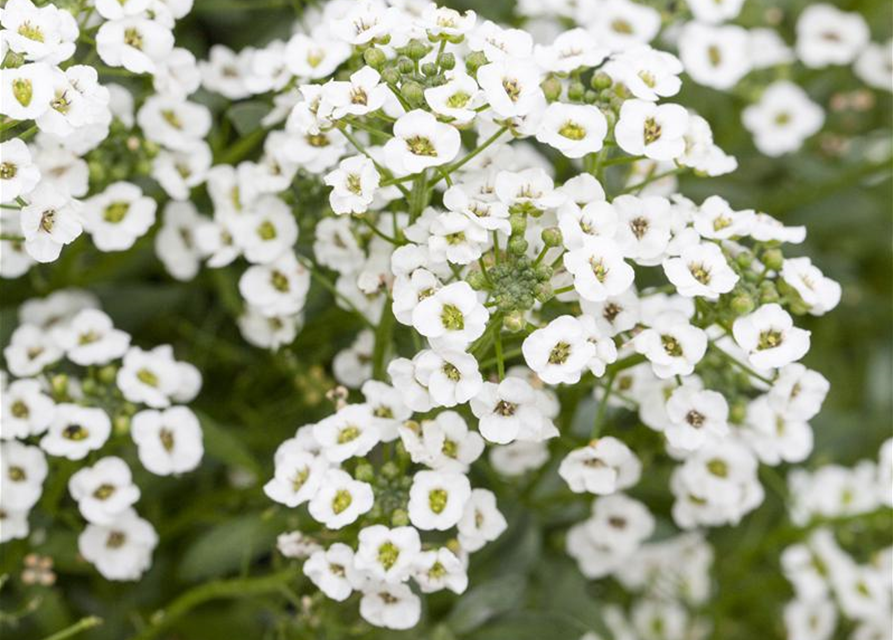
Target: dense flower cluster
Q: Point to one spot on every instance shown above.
(504, 219)
(75, 387)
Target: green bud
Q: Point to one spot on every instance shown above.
(364, 472)
(551, 236)
(773, 258)
(514, 321)
(416, 49)
(108, 374)
(390, 470)
(768, 293)
(543, 272)
(475, 61)
(429, 69)
(405, 65)
(59, 385)
(518, 245)
(399, 518)
(551, 86)
(413, 92)
(543, 292)
(390, 75)
(744, 259)
(576, 91)
(448, 62)
(375, 58)
(742, 304)
(477, 280)
(518, 223)
(601, 81)
(590, 97)
(89, 386)
(738, 412)
(121, 424)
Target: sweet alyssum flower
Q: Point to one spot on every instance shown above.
(574, 130)
(26, 410)
(134, 42)
(169, 441)
(90, 338)
(599, 269)
(437, 499)
(694, 416)
(420, 142)
(76, 431)
(604, 466)
(655, 131)
(121, 550)
(672, 345)
(26, 91)
(104, 491)
(560, 351)
(339, 499)
(769, 337)
(387, 554)
(701, 270)
(50, 220)
(354, 184)
(783, 118)
(118, 216)
(508, 410)
(451, 317)
(18, 173)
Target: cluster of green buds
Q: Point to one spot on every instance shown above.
(408, 73)
(123, 155)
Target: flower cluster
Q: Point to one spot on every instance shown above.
(75, 386)
(829, 581)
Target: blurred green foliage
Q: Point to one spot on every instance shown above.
(216, 525)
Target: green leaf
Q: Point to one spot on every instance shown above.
(484, 602)
(222, 444)
(229, 546)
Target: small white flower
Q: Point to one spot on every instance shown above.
(46, 33)
(530, 190)
(769, 337)
(819, 293)
(278, 288)
(715, 219)
(348, 433)
(30, 350)
(23, 469)
(672, 345)
(456, 99)
(298, 474)
(569, 51)
(392, 606)
(90, 338)
(828, 36)
(482, 522)
(388, 554)
(174, 123)
(715, 56)
(798, 392)
(18, 173)
(440, 569)
(315, 56)
(104, 490)
(643, 229)
(456, 237)
(451, 377)
(121, 550)
(354, 184)
(135, 43)
(512, 88)
(654, 131)
(604, 466)
(774, 437)
(168, 442)
(649, 74)
(437, 499)
(420, 142)
(332, 570)
(76, 431)
(26, 410)
(362, 94)
(340, 499)
(574, 129)
(507, 411)
(267, 231)
(694, 416)
(599, 269)
(701, 270)
(118, 216)
(50, 221)
(27, 91)
(560, 351)
(783, 118)
(155, 378)
(452, 317)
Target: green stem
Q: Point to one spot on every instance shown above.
(379, 233)
(81, 625)
(660, 176)
(468, 158)
(500, 362)
(330, 287)
(740, 365)
(603, 406)
(419, 196)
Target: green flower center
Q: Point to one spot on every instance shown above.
(699, 273)
(75, 432)
(348, 434)
(452, 318)
(437, 500)
(20, 410)
(167, 439)
(17, 474)
(718, 468)
(458, 100)
(23, 91)
(671, 346)
(116, 540)
(769, 340)
(451, 372)
(133, 38)
(652, 131)
(421, 146)
(599, 270)
(104, 491)
(572, 131)
(560, 353)
(28, 30)
(8, 170)
(279, 281)
(388, 553)
(116, 212)
(266, 230)
(170, 116)
(341, 501)
(147, 377)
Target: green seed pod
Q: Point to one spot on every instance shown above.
(552, 236)
(600, 81)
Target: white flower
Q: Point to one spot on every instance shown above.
(315, 56)
(715, 11)
(798, 392)
(388, 554)
(826, 35)
(482, 522)
(30, 350)
(294, 544)
(716, 220)
(118, 216)
(715, 56)
(604, 466)
(27, 91)
(499, 43)
(173, 122)
(620, 24)
(615, 314)
(701, 270)
(620, 523)
(18, 173)
(456, 99)
(643, 227)
(155, 378)
(340, 499)
(362, 94)
(810, 619)
(456, 237)
(512, 87)
(176, 243)
(440, 569)
(121, 550)
(654, 131)
(348, 433)
(298, 474)
(649, 74)
(168, 442)
(569, 51)
(574, 129)
(135, 43)
(26, 410)
(387, 407)
(46, 33)
(392, 606)
(76, 431)
(769, 337)
(363, 22)
(267, 231)
(354, 184)
(13, 524)
(437, 499)
(599, 269)
(530, 190)
(444, 443)
(875, 66)
(782, 119)
(819, 293)
(701, 154)
(445, 21)
(672, 345)
(79, 101)
(278, 288)
(90, 338)
(179, 171)
(104, 490)
(508, 410)
(694, 416)
(50, 221)
(117, 9)
(775, 437)
(332, 571)
(420, 142)
(451, 377)
(452, 317)
(23, 469)
(560, 351)
(519, 457)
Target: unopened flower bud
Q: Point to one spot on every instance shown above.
(121, 424)
(600, 81)
(552, 236)
(773, 259)
(375, 58)
(518, 223)
(448, 62)
(390, 470)
(514, 321)
(768, 293)
(405, 65)
(429, 69)
(551, 87)
(477, 280)
(417, 49)
(399, 518)
(742, 304)
(576, 91)
(390, 75)
(518, 245)
(413, 92)
(475, 61)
